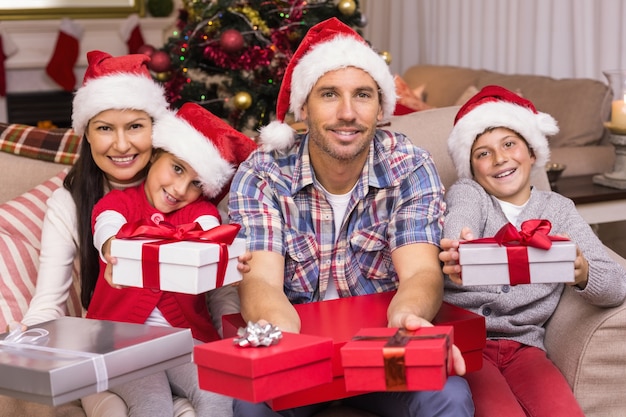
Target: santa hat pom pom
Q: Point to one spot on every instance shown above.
(276, 136)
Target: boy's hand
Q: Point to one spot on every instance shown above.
(243, 259)
(581, 270)
(449, 255)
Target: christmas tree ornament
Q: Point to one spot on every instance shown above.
(162, 76)
(61, 65)
(362, 21)
(160, 61)
(146, 50)
(346, 7)
(242, 100)
(231, 41)
(386, 56)
(160, 8)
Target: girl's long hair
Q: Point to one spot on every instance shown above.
(86, 183)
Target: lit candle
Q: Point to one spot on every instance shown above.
(618, 113)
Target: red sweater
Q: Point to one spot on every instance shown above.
(134, 305)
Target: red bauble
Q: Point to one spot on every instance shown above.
(146, 50)
(231, 41)
(160, 61)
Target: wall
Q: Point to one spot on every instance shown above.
(35, 41)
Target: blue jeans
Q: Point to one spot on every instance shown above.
(455, 400)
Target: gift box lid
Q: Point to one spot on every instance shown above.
(429, 347)
(492, 253)
(178, 253)
(55, 374)
(291, 351)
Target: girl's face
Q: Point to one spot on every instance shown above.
(171, 183)
(121, 143)
(502, 162)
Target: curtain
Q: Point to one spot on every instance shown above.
(557, 38)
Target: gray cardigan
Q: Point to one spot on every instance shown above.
(519, 312)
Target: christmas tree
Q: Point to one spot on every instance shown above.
(230, 55)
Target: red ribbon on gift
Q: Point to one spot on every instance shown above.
(533, 233)
(222, 235)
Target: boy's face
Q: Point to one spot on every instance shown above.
(502, 163)
(171, 183)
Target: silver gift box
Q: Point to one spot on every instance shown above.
(83, 356)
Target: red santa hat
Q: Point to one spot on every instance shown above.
(208, 144)
(122, 82)
(492, 107)
(327, 46)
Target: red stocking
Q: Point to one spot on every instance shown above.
(131, 33)
(61, 66)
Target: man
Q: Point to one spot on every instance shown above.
(342, 210)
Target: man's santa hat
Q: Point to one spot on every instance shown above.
(327, 46)
(122, 83)
(493, 107)
(209, 145)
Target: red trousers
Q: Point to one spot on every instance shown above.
(520, 381)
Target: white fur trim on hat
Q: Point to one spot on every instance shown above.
(533, 127)
(124, 91)
(178, 137)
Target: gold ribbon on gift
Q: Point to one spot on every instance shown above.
(394, 351)
(222, 235)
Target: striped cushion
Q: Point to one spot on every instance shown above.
(21, 220)
(54, 145)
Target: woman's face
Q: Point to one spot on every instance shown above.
(121, 143)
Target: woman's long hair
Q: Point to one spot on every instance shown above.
(86, 183)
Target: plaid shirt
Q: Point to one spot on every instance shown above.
(398, 200)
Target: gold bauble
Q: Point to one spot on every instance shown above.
(242, 100)
(162, 76)
(346, 7)
(386, 56)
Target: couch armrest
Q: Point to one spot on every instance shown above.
(585, 342)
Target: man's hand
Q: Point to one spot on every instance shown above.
(413, 322)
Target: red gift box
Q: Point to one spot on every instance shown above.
(256, 374)
(388, 359)
(358, 312)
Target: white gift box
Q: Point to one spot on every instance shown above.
(80, 356)
(487, 263)
(185, 266)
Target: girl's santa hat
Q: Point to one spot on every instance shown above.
(327, 46)
(122, 83)
(208, 144)
(493, 107)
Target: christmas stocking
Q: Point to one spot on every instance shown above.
(7, 48)
(131, 34)
(61, 66)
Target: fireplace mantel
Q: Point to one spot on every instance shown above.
(36, 39)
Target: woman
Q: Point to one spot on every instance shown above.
(113, 111)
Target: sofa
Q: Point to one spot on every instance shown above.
(584, 341)
(580, 106)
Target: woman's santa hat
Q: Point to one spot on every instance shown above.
(493, 107)
(327, 46)
(122, 83)
(208, 144)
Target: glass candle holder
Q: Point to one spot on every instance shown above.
(617, 83)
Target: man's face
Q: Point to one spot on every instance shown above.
(341, 112)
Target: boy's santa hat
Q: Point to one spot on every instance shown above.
(493, 107)
(327, 46)
(208, 144)
(122, 83)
